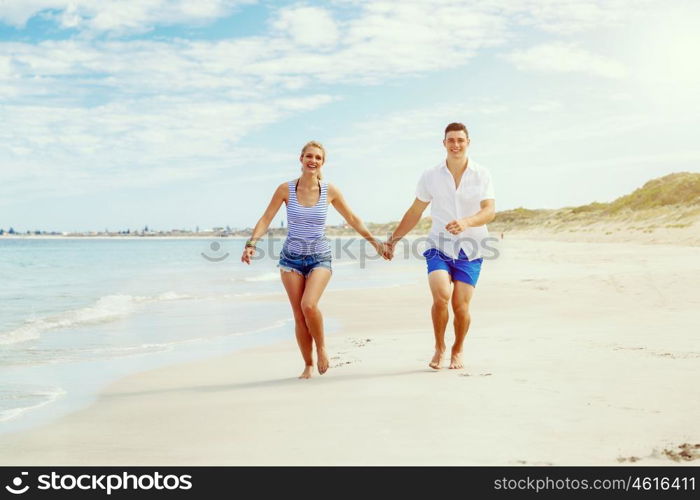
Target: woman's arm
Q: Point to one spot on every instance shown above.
(260, 229)
(338, 201)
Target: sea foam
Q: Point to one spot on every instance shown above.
(105, 309)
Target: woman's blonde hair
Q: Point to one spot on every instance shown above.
(315, 144)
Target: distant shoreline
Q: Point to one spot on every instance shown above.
(156, 237)
(669, 204)
(108, 237)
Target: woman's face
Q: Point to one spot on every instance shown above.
(311, 160)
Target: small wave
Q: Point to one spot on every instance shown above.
(374, 287)
(150, 348)
(172, 296)
(271, 276)
(254, 295)
(167, 346)
(345, 263)
(26, 401)
(105, 309)
(276, 324)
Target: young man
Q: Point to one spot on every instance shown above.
(463, 202)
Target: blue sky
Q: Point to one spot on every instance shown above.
(176, 114)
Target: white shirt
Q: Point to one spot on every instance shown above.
(437, 185)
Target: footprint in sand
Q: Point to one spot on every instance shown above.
(340, 363)
(361, 342)
(660, 354)
(685, 452)
(475, 374)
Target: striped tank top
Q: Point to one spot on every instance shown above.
(306, 225)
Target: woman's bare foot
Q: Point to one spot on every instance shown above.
(437, 360)
(323, 361)
(308, 371)
(456, 361)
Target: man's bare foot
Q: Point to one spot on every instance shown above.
(456, 361)
(323, 361)
(308, 371)
(437, 360)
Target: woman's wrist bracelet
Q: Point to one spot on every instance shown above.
(250, 244)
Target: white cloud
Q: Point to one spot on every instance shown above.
(173, 101)
(563, 17)
(546, 106)
(112, 16)
(413, 39)
(140, 142)
(566, 17)
(18, 12)
(559, 57)
(308, 26)
(315, 26)
(382, 40)
(88, 112)
(5, 66)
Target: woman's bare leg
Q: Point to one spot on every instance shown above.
(294, 284)
(315, 285)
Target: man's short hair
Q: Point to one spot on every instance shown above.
(455, 127)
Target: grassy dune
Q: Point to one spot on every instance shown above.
(672, 200)
(666, 208)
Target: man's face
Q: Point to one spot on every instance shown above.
(456, 143)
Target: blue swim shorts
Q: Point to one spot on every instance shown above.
(461, 269)
(304, 264)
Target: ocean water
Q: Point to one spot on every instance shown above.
(76, 314)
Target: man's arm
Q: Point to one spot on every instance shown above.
(483, 216)
(409, 221)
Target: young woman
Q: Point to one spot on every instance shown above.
(305, 261)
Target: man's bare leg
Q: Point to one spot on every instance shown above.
(441, 288)
(461, 297)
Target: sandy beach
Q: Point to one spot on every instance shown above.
(578, 354)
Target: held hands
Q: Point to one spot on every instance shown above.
(389, 247)
(383, 249)
(457, 226)
(248, 253)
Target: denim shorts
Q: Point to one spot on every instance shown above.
(460, 269)
(304, 264)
